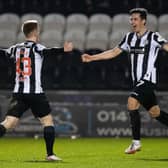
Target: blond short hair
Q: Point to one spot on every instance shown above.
(29, 26)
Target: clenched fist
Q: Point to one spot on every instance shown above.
(86, 58)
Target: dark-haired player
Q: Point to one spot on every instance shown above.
(143, 46)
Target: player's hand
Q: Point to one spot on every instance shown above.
(86, 58)
(68, 46)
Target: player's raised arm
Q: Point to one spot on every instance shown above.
(68, 47)
(102, 56)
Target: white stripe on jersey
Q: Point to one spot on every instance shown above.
(38, 65)
(132, 66)
(139, 66)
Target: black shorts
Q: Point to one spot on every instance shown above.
(38, 103)
(144, 93)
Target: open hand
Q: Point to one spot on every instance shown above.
(68, 46)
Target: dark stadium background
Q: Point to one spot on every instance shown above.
(67, 72)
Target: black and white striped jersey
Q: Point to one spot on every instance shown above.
(143, 52)
(28, 58)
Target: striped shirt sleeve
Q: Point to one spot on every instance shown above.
(123, 45)
(160, 41)
(10, 51)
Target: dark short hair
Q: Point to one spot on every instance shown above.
(28, 26)
(142, 11)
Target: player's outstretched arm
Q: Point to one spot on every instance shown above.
(68, 46)
(102, 56)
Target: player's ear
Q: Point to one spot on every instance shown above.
(144, 21)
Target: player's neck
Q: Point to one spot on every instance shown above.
(142, 32)
(33, 38)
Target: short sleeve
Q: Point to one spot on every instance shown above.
(123, 45)
(9, 51)
(159, 40)
(40, 47)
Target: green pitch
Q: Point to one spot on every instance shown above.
(83, 153)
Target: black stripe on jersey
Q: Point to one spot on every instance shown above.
(146, 56)
(32, 77)
(37, 51)
(135, 59)
(14, 51)
(130, 36)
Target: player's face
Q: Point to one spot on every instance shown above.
(137, 23)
